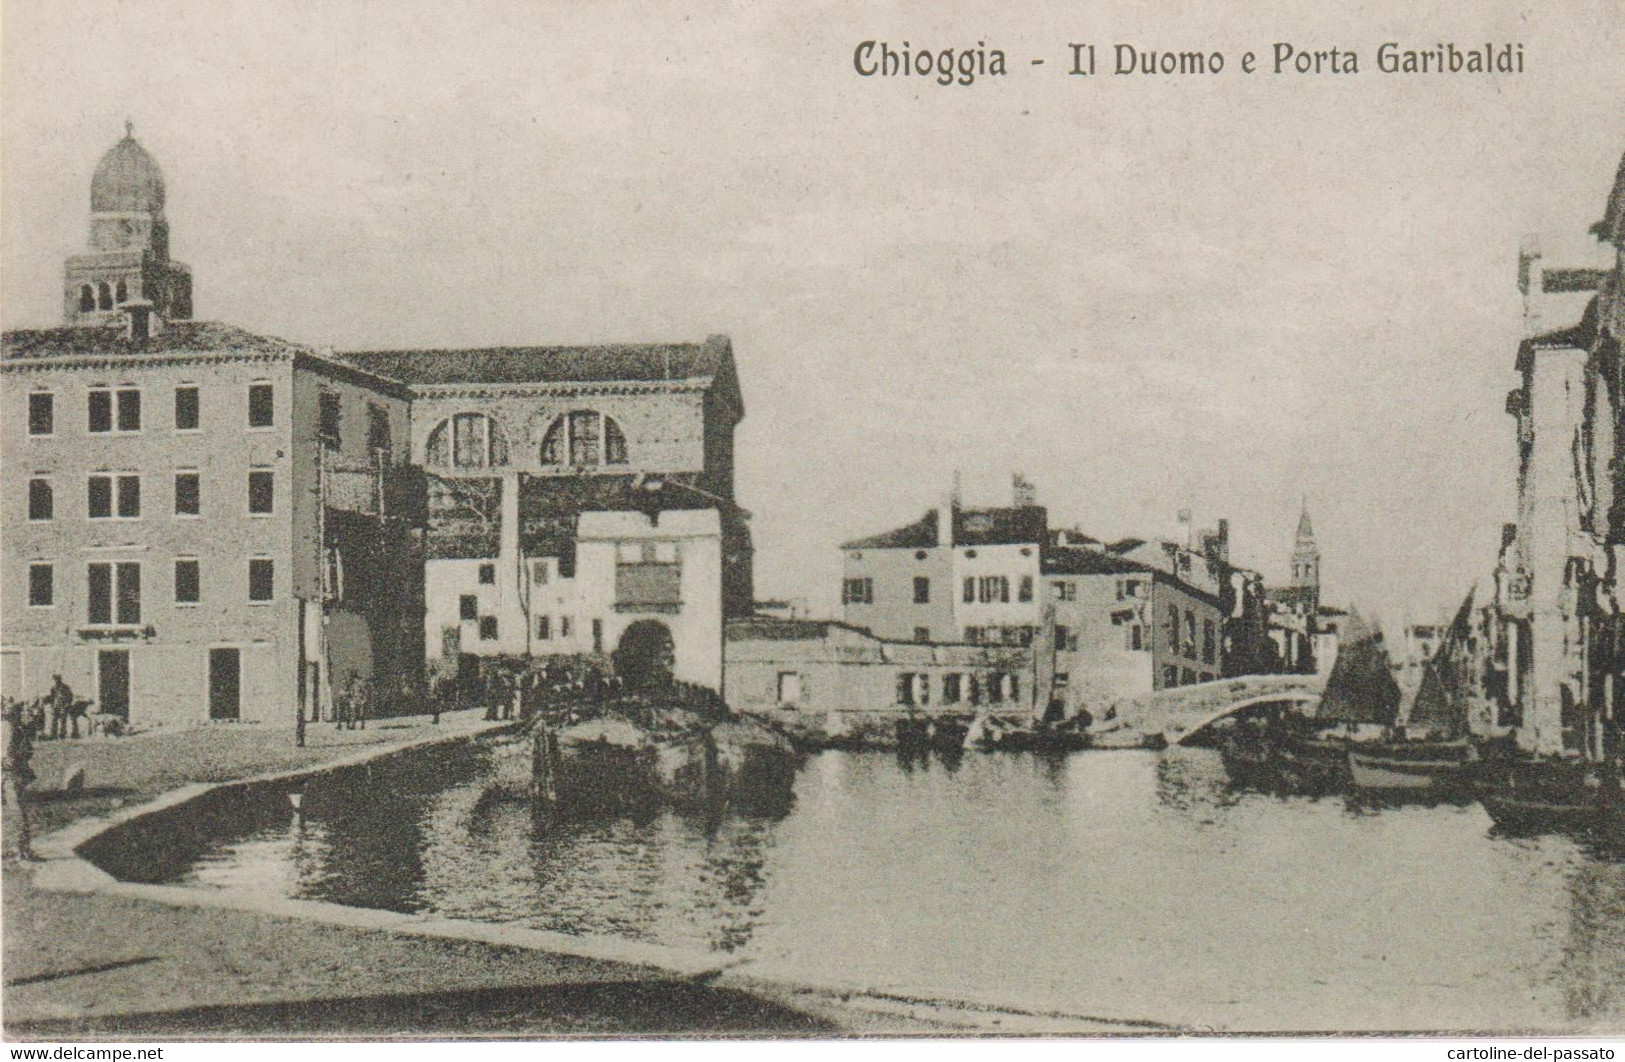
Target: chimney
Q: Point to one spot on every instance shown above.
(141, 323)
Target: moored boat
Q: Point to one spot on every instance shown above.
(1426, 757)
(1528, 795)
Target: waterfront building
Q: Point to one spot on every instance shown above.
(212, 524)
(821, 666)
(200, 523)
(576, 495)
(1557, 634)
(1102, 624)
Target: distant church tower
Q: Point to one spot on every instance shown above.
(1306, 564)
(128, 260)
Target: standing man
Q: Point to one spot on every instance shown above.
(59, 702)
(18, 726)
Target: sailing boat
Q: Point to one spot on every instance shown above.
(1360, 692)
(1426, 757)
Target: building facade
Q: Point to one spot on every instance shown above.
(1101, 625)
(215, 525)
(822, 666)
(1557, 632)
(576, 494)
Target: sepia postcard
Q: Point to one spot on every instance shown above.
(536, 520)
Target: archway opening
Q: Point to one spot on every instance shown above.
(646, 656)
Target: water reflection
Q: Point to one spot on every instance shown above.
(1129, 884)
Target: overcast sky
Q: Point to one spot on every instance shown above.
(1145, 293)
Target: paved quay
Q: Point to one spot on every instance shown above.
(87, 964)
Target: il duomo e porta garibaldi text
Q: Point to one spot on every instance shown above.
(965, 66)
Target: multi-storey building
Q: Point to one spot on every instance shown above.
(212, 524)
(1100, 624)
(576, 495)
(207, 523)
(1557, 629)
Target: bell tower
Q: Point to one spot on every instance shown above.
(128, 260)
(1306, 562)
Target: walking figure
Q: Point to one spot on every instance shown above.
(20, 725)
(58, 704)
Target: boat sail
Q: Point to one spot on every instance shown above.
(1426, 755)
(1287, 753)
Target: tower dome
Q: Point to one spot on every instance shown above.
(127, 180)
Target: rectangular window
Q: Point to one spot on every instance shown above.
(970, 589)
(1136, 637)
(1066, 639)
(922, 634)
(1170, 676)
(994, 588)
(905, 688)
(544, 627)
(488, 574)
(99, 412)
(187, 408)
(597, 635)
(41, 413)
(1066, 591)
(468, 607)
(922, 590)
(1120, 589)
(378, 433)
(1209, 642)
(488, 628)
(261, 492)
(789, 687)
(973, 635)
(858, 592)
(261, 406)
(188, 494)
(538, 572)
(99, 585)
(129, 409)
(261, 579)
(41, 501)
(129, 497)
(1063, 680)
(331, 415)
(564, 626)
(188, 582)
(1026, 591)
(41, 585)
(1190, 635)
(1132, 588)
(127, 580)
(951, 688)
(995, 688)
(1187, 677)
(101, 492)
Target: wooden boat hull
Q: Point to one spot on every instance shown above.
(615, 770)
(1530, 796)
(755, 767)
(1401, 770)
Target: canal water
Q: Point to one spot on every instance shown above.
(1129, 886)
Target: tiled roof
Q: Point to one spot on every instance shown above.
(1014, 525)
(611, 362)
(1077, 560)
(760, 628)
(175, 337)
(921, 534)
(1125, 545)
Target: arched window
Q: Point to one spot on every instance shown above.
(467, 440)
(121, 293)
(104, 295)
(87, 298)
(583, 439)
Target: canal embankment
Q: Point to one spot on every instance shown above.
(89, 955)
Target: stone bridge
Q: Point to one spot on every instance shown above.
(1182, 715)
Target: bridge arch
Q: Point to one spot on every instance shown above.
(1197, 731)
